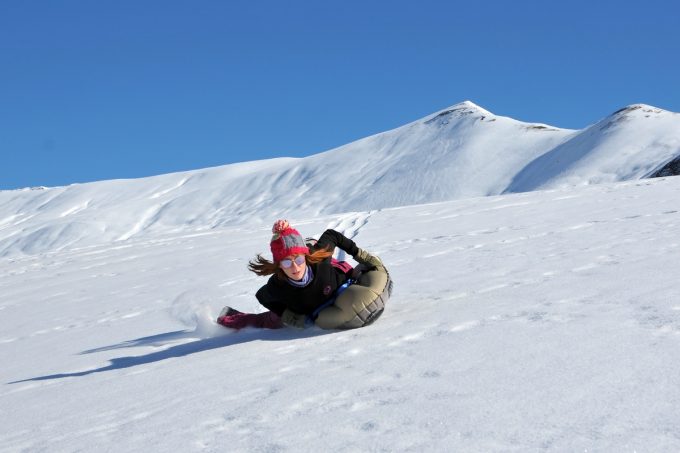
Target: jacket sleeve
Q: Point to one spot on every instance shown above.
(331, 239)
(269, 301)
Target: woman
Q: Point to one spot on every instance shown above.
(307, 286)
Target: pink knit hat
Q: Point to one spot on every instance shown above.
(286, 241)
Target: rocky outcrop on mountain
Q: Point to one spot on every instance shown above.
(672, 168)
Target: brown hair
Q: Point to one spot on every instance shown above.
(262, 266)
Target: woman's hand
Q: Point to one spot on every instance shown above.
(363, 257)
(292, 319)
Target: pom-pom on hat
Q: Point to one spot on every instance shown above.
(286, 241)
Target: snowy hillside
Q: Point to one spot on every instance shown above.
(463, 151)
(540, 321)
(633, 143)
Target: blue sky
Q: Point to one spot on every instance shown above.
(93, 90)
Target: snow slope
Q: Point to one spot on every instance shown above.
(540, 321)
(632, 143)
(463, 151)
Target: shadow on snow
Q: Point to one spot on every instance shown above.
(180, 350)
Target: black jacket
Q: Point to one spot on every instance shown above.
(277, 294)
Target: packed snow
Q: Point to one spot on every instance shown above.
(460, 152)
(538, 321)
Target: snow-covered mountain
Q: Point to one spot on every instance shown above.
(463, 151)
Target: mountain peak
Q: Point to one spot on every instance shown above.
(460, 110)
(643, 108)
(632, 112)
(471, 106)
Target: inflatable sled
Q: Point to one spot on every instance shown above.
(359, 303)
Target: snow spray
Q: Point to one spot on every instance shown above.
(191, 308)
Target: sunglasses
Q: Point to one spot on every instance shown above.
(299, 260)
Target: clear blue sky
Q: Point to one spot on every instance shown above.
(94, 89)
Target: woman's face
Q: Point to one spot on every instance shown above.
(294, 266)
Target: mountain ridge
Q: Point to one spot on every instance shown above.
(458, 152)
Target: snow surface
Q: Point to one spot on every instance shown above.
(460, 152)
(540, 321)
